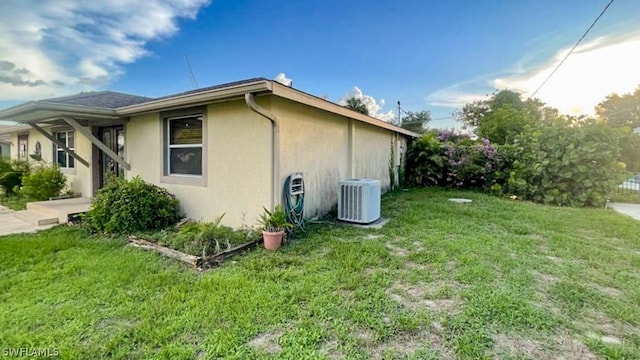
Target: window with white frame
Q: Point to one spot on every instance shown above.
(62, 158)
(184, 145)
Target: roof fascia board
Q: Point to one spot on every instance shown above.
(304, 98)
(15, 112)
(195, 98)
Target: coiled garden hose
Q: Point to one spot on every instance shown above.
(294, 204)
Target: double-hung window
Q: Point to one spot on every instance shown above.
(62, 158)
(184, 145)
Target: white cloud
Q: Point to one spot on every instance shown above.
(282, 78)
(374, 107)
(452, 97)
(64, 46)
(593, 71)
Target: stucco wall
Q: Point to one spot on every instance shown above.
(372, 151)
(238, 163)
(316, 143)
(78, 179)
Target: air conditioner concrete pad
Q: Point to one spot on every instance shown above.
(378, 224)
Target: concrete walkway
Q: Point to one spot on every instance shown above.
(10, 224)
(632, 210)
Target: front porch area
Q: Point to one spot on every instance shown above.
(54, 211)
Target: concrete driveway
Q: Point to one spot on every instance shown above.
(11, 224)
(632, 210)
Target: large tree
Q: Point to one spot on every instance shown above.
(621, 110)
(358, 105)
(416, 121)
(503, 115)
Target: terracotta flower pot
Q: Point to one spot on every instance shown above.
(272, 240)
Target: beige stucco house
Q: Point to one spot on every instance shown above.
(222, 149)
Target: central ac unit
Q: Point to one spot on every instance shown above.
(359, 200)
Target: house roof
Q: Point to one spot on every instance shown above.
(112, 105)
(214, 87)
(100, 99)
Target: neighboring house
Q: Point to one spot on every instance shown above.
(222, 149)
(6, 146)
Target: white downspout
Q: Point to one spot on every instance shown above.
(275, 145)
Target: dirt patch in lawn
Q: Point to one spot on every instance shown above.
(397, 251)
(608, 290)
(608, 329)
(410, 265)
(555, 259)
(267, 342)
(558, 347)
(114, 323)
(544, 280)
(423, 296)
(536, 237)
(405, 345)
(542, 300)
(373, 237)
(364, 337)
(331, 350)
(418, 246)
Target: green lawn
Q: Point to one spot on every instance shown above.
(495, 279)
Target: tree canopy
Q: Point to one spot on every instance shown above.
(503, 115)
(621, 110)
(416, 121)
(358, 105)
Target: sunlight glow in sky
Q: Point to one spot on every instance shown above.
(593, 71)
(585, 78)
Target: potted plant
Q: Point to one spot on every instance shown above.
(274, 223)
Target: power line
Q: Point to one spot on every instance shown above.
(416, 122)
(192, 77)
(573, 48)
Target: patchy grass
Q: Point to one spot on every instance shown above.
(13, 202)
(490, 279)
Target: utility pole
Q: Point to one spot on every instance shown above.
(399, 121)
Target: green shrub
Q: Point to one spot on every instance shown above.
(425, 161)
(567, 165)
(11, 175)
(43, 183)
(125, 207)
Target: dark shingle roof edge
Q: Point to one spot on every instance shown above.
(214, 87)
(99, 99)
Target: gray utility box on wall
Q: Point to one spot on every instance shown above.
(359, 200)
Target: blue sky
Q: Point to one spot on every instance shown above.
(429, 55)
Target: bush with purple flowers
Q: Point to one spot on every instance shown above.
(450, 159)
